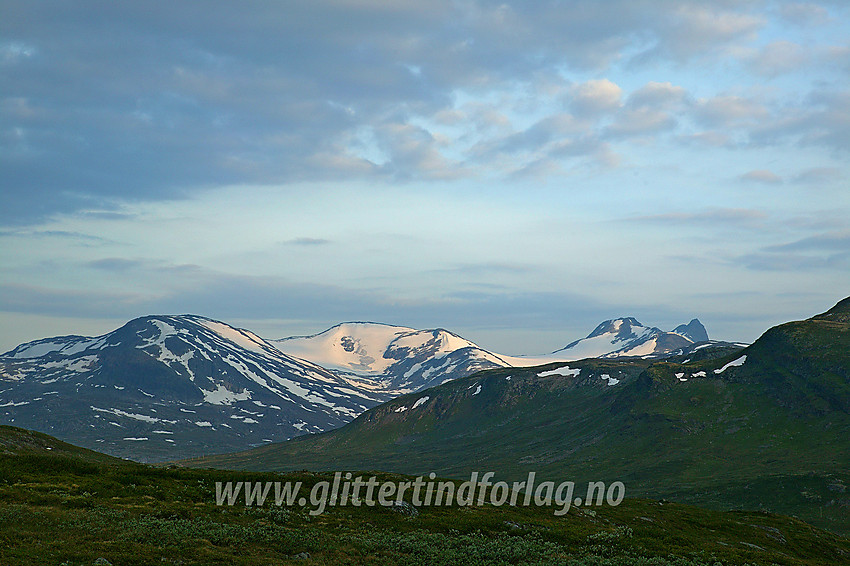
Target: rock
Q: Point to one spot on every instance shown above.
(102, 562)
(405, 508)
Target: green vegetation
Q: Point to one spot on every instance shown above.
(771, 434)
(764, 437)
(75, 508)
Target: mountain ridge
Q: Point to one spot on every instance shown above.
(163, 384)
(170, 386)
(764, 425)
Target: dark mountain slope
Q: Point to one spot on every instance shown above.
(766, 426)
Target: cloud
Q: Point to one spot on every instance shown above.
(696, 29)
(729, 111)
(81, 303)
(540, 150)
(822, 251)
(488, 268)
(657, 95)
(710, 138)
(115, 264)
(415, 153)
(556, 127)
(794, 262)
(824, 121)
(830, 242)
(804, 13)
(13, 52)
(308, 242)
(641, 121)
(231, 297)
(761, 176)
(819, 175)
(161, 101)
(595, 96)
(778, 57)
(741, 217)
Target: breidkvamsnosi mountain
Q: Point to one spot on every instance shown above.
(399, 359)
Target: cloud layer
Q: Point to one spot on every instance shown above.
(470, 159)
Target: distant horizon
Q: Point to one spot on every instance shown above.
(6, 348)
(513, 171)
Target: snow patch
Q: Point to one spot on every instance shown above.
(611, 380)
(120, 413)
(565, 371)
(79, 365)
(224, 396)
(420, 401)
(242, 338)
(734, 363)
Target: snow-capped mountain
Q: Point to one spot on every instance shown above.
(166, 386)
(400, 359)
(622, 337)
(694, 330)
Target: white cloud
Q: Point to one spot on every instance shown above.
(641, 121)
(596, 96)
(779, 57)
(717, 217)
(657, 95)
(729, 111)
(15, 51)
(761, 176)
(819, 176)
(804, 13)
(699, 29)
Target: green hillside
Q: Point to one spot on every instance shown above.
(69, 509)
(34, 445)
(771, 432)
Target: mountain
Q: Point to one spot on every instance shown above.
(804, 365)
(15, 441)
(694, 331)
(163, 386)
(405, 360)
(166, 387)
(400, 359)
(764, 427)
(627, 337)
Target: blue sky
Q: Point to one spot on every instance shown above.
(515, 172)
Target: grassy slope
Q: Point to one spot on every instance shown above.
(771, 434)
(32, 444)
(77, 510)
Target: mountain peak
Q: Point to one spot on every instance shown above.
(841, 307)
(616, 326)
(693, 330)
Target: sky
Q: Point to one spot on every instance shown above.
(515, 172)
